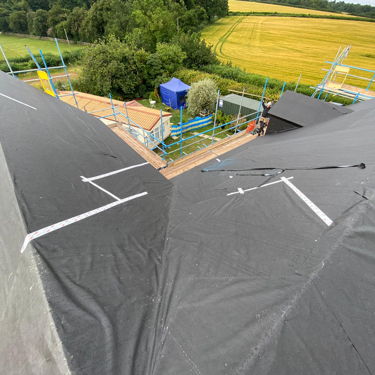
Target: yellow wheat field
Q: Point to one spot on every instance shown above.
(285, 47)
(248, 6)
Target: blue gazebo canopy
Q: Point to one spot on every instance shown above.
(173, 93)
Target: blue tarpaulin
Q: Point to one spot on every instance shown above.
(173, 93)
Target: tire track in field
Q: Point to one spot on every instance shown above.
(225, 37)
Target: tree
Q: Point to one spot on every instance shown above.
(153, 22)
(18, 21)
(21, 5)
(198, 52)
(30, 21)
(171, 57)
(164, 62)
(112, 66)
(214, 8)
(75, 21)
(39, 4)
(95, 23)
(4, 17)
(193, 19)
(202, 96)
(40, 25)
(56, 15)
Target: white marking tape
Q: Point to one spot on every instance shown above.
(15, 100)
(84, 179)
(61, 224)
(317, 210)
(218, 160)
(115, 172)
(257, 187)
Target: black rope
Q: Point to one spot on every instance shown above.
(360, 166)
(280, 170)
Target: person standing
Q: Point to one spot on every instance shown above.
(263, 120)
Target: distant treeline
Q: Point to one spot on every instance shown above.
(144, 23)
(325, 5)
(301, 15)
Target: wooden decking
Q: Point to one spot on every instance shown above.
(155, 160)
(188, 162)
(193, 160)
(351, 91)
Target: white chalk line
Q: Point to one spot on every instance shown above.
(242, 191)
(115, 172)
(15, 100)
(61, 224)
(317, 210)
(99, 187)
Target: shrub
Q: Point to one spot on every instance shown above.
(202, 96)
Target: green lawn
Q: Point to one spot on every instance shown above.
(189, 145)
(14, 46)
(193, 144)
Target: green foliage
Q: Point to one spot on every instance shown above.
(154, 96)
(193, 19)
(198, 52)
(26, 62)
(171, 57)
(152, 22)
(202, 96)
(56, 15)
(222, 119)
(4, 19)
(74, 23)
(145, 23)
(273, 91)
(97, 18)
(30, 21)
(112, 66)
(18, 21)
(126, 71)
(40, 22)
(216, 8)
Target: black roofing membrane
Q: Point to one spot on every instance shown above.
(186, 279)
(293, 111)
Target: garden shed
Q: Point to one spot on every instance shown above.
(173, 93)
(230, 105)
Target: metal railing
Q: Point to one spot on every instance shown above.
(159, 146)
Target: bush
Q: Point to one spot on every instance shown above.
(252, 83)
(26, 62)
(202, 96)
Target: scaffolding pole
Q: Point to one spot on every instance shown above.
(127, 115)
(66, 72)
(49, 75)
(181, 131)
(295, 90)
(370, 82)
(162, 133)
(113, 108)
(5, 57)
(239, 109)
(282, 91)
(34, 59)
(217, 107)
